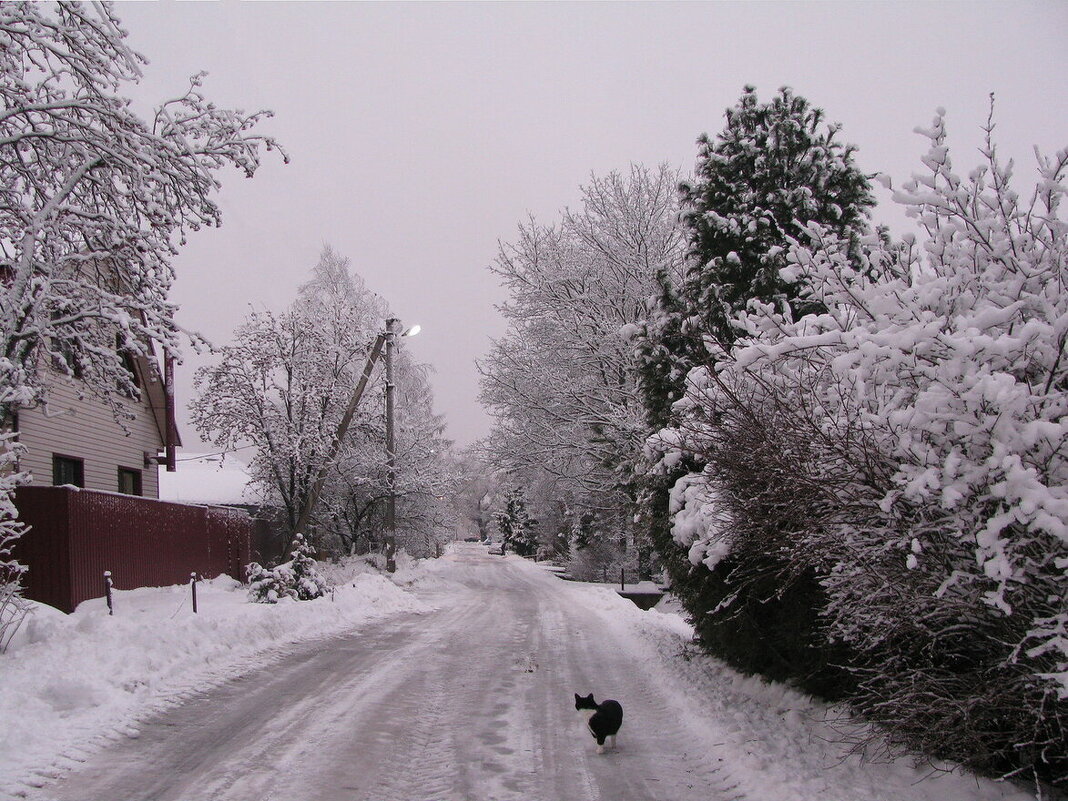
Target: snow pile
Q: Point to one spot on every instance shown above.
(71, 682)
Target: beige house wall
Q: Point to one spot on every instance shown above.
(85, 428)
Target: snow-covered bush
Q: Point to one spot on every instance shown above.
(267, 585)
(299, 578)
(914, 460)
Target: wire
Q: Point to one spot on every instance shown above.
(209, 455)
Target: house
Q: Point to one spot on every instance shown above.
(77, 440)
(86, 531)
(94, 534)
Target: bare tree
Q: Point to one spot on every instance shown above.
(562, 383)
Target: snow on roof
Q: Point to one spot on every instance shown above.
(206, 478)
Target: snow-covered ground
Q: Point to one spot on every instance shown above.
(75, 685)
(71, 683)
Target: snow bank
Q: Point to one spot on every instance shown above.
(69, 683)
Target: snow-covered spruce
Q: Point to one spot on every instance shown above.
(518, 529)
(298, 578)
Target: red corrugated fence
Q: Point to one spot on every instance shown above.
(78, 534)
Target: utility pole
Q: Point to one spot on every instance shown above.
(391, 454)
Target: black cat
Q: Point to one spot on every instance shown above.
(602, 719)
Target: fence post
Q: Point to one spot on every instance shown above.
(622, 580)
(193, 584)
(107, 591)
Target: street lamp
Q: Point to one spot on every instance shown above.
(391, 445)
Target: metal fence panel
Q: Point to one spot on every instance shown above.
(78, 534)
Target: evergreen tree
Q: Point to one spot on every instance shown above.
(298, 578)
(308, 582)
(518, 529)
(774, 169)
(585, 530)
(665, 355)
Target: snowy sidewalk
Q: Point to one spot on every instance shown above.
(85, 680)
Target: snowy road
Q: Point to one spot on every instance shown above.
(473, 702)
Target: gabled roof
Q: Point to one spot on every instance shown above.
(154, 393)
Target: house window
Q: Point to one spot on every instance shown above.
(129, 481)
(66, 346)
(67, 470)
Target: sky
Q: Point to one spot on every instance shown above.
(422, 134)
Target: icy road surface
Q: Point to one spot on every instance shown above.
(474, 701)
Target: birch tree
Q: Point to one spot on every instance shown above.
(282, 387)
(283, 384)
(426, 476)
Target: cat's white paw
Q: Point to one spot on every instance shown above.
(600, 749)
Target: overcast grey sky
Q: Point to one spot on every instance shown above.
(421, 134)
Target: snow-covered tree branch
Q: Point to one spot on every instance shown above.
(94, 203)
